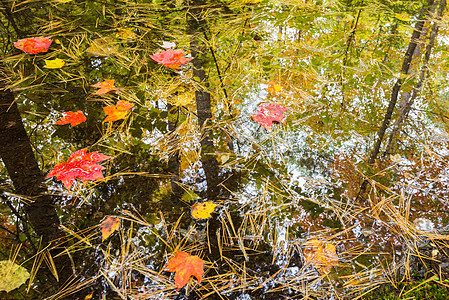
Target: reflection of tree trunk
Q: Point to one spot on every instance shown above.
(173, 161)
(203, 101)
(18, 157)
(410, 100)
(409, 55)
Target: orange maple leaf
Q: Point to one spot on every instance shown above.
(34, 45)
(118, 111)
(185, 265)
(72, 118)
(105, 87)
(108, 226)
(322, 255)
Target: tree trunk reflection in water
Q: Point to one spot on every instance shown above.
(203, 99)
(17, 155)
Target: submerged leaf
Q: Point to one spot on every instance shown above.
(108, 226)
(80, 165)
(268, 113)
(203, 210)
(103, 47)
(322, 255)
(12, 275)
(34, 45)
(189, 196)
(72, 118)
(54, 63)
(185, 265)
(125, 33)
(118, 111)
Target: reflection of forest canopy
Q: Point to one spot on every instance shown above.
(359, 167)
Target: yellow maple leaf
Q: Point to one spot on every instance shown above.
(54, 63)
(322, 255)
(203, 210)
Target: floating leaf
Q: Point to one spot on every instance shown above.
(34, 45)
(185, 265)
(118, 111)
(103, 47)
(268, 113)
(274, 88)
(72, 118)
(80, 165)
(12, 275)
(322, 255)
(105, 87)
(54, 63)
(203, 210)
(170, 58)
(108, 226)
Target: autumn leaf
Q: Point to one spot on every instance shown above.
(108, 226)
(12, 275)
(203, 210)
(170, 58)
(105, 87)
(268, 113)
(34, 45)
(189, 196)
(80, 165)
(54, 63)
(322, 255)
(118, 111)
(185, 265)
(72, 118)
(274, 88)
(103, 47)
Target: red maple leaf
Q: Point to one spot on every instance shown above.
(185, 265)
(105, 87)
(72, 118)
(268, 113)
(80, 165)
(34, 45)
(118, 111)
(170, 58)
